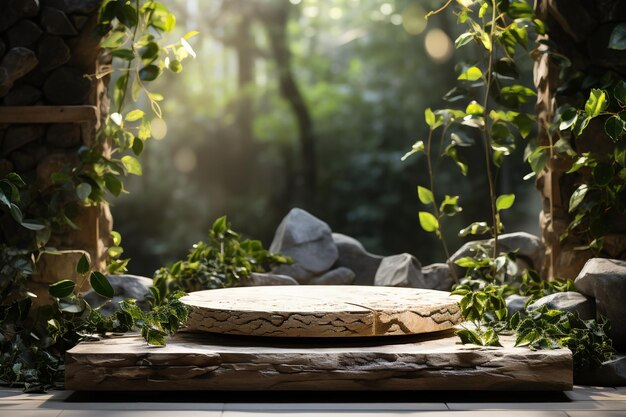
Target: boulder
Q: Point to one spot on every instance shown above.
(20, 135)
(64, 135)
(337, 276)
(353, 255)
(568, 301)
(55, 22)
(52, 52)
(402, 270)
(258, 279)
(16, 63)
(605, 280)
(439, 275)
(309, 243)
(124, 286)
(23, 95)
(516, 303)
(611, 373)
(23, 33)
(530, 250)
(66, 85)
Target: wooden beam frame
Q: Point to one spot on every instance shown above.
(48, 114)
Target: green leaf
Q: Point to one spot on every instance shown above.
(83, 265)
(134, 115)
(602, 174)
(101, 285)
(83, 190)
(476, 228)
(62, 289)
(618, 37)
(471, 74)
(577, 197)
(505, 201)
(596, 103)
(72, 305)
(463, 39)
(132, 165)
(417, 147)
(506, 67)
(614, 127)
(428, 222)
(16, 213)
(137, 146)
(430, 118)
(116, 237)
(175, 66)
(149, 73)
(114, 39)
(474, 108)
(113, 184)
(620, 92)
(568, 118)
(32, 224)
(450, 205)
(115, 251)
(425, 195)
(538, 159)
(125, 54)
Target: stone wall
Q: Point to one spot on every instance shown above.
(50, 106)
(580, 31)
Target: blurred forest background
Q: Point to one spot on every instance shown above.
(307, 103)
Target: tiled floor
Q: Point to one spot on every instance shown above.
(581, 402)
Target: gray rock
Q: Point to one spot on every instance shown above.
(9, 14)
(402, 270)
(55, 22)
(19, 135)
(52, 52)
(568, 301)
(338, 276)
(530, 250)
(439, 275)
(23, 95)
(124, 286)
(74, 6)
(258, 279)
(611, 373)
(605, 280)
(66, 85)
(64, 135)
(309, 243)
(17, 62)
(515, 303)
(23, 33)
(23, 161)
(353, 255)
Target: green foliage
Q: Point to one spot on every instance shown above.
(550, 329)
(225, 260)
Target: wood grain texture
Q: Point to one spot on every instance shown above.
(223, 363)
(322, 311)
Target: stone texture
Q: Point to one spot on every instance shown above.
(64, 135)
(337, 276)
(9, 14)
(192, 362)
(22, 161)
(23, 33)
(124, 286)
(353, 255)
(605, 280)
(55, 22)
(66, 85)
(438, 276)
(52, 52)
(402, 270)
(568, 301)
(610, 374)
(258, 279)
(75, 6)
(6, 167)
(23, 95)
(19, 135)
(16, 63)
(321, 311)
(309, 243)
(515, 303)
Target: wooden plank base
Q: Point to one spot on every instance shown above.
(198, 362)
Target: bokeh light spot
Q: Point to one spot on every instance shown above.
(159, 128)
(185, 160)
(413, 19)
(438, 45)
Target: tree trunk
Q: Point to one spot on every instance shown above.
(275, 20)
(579, 30)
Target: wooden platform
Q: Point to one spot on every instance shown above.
(322, 311)
(197, 362)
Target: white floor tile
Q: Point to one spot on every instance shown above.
(566, 406)
(335, 406)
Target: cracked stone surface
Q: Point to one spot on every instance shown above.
(322, 311)
(217, 362)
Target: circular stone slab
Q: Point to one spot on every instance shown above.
(322, 311)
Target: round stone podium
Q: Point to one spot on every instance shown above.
(322, 311)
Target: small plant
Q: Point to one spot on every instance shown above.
(225, 260)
